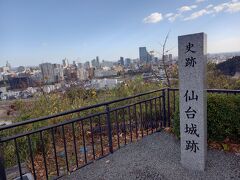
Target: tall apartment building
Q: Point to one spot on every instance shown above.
(47, 71)
(82, 74)
(121, 61)
(65, 62)
(58, 73)
(127, 62)
(86, 65)
(95, 62)
(144, 56)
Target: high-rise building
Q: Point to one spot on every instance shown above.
(47, 73)
(80, 65)
(21, 69)
(152, 55)
(8, 65)
(82, 74)
(127, 62)
(107, 64)
(121, 61)
(65, 62)
(94, 63)
(97, 62)
(170, 58)
(74, 64)
(144, 56)
(58, 73)
(165, 57)
(86, 65)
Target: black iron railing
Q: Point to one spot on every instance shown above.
(55, 145)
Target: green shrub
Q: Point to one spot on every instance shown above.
(223, 117)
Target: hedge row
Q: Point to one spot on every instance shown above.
(223, 117)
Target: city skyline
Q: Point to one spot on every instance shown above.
(44, 31)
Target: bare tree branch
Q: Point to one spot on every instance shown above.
(163, 59)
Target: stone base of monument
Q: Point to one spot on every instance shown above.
(198, 167)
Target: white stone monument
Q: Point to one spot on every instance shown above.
(192, 50)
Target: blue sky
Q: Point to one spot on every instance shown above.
(36, 31)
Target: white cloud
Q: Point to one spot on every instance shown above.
(196, 15)
(233, 7)
(187, 8)
(209, 6)
(199, 1)
(220, 7)
(168, 15)
(153, 18)
(174, 17)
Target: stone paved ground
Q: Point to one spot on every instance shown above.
(157, 157)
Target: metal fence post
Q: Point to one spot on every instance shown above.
(169, 111)
(164, 108)
(2, 168)
(110, 144)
